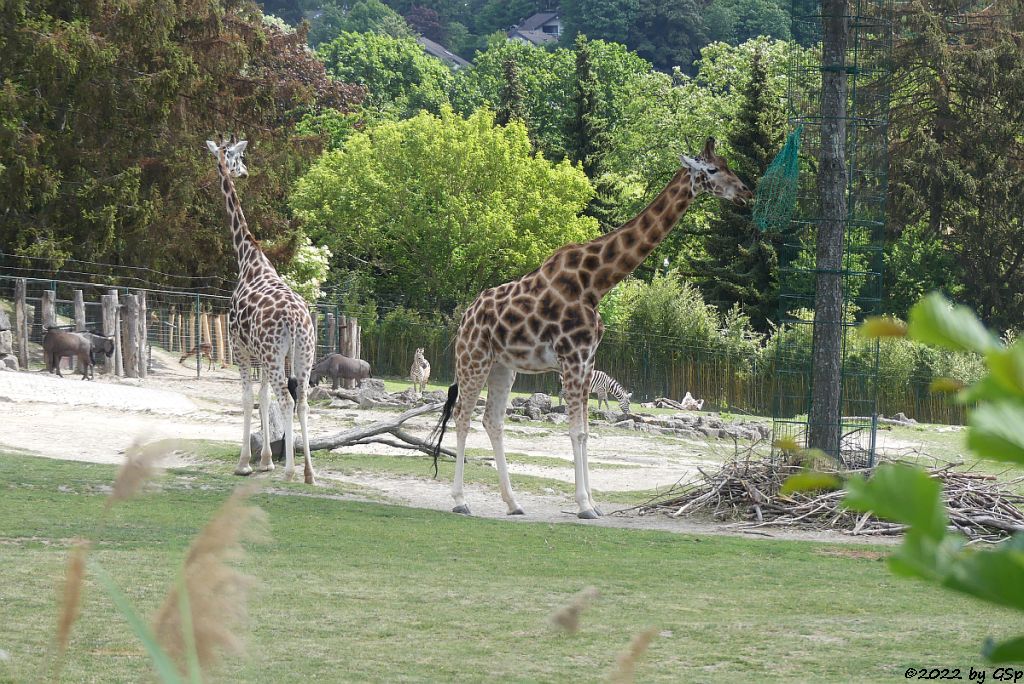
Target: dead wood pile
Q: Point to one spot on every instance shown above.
(980, 506)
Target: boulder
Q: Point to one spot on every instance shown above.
(558, 409)
(6, 343)
(557, 418)
(5, 321)
(435, 396)
(9, 363)
(318, 394)
(541, 401)
(534, 412)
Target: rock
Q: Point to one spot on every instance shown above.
(687, 434)
(318, 394)
(435, 396)
(902, 417)
(342, 404)
(406, 396)
(558, 409)
(541, 401)
(373, 384)
(6, 342)
(627, 424)
(557, 418)
(5, 321)
(516, 418)
(9, 363)
(518, 401)
(534, 412)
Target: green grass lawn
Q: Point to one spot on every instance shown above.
(352, 591)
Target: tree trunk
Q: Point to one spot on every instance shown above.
(109, 303)
(130, 335)
(143, 338)
(824, 419)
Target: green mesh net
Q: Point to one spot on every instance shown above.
(776, 191)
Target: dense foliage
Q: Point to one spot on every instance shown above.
(103, 114)
(437, 208)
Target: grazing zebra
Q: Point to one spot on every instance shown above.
(420, 372)
(602, 385)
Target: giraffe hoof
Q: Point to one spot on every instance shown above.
(462, 510)
(589, 514)
(243, 471)
(599, 512)
(309, 479)
(289, 475)
(265, 468)
(518, 511)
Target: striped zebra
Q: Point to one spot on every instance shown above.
(602, 385)
(420, 372)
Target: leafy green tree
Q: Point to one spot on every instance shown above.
(362, 16)
(737, 21)
(103, 116)
(741, 264)
(585, 128)
(434, 209)
(400, 78)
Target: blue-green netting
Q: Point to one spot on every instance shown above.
(776, 191)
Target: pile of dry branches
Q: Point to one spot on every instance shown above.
(982, 507)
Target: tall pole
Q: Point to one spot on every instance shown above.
(826, 398)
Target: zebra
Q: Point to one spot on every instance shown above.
(602, 385)
(420, 372)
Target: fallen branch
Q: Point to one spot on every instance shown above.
(375, 433)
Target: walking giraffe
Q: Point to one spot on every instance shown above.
(548, 321)
(267, 321)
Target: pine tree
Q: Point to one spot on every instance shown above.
(741, 266)
(512, 103)
(585, 130)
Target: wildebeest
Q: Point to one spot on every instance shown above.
(85, 346)
(338, 367)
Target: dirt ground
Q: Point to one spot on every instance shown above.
(96, 421)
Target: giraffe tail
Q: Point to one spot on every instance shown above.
(293, 388)
(446, 413)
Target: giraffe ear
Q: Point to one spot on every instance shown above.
(689, 162)
(239, 147)
(212, 146)
(709, 148)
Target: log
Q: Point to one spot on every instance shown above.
(130, 332)
(116, 332)
(109, 303)
(375, 433)
(21, 322)
(143, 337)
(48, 301)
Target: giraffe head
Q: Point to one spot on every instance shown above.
(232, 152)
(710, 173)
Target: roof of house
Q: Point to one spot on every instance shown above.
(441, 52)
(535, 37)
(535, 21)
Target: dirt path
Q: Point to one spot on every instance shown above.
(96, 421)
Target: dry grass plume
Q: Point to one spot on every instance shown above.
(70, 605)
(625, 664)
(568, 617)
(217, 591)
(141, 463)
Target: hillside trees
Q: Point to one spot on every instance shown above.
(438, 208)
(399, 77)
(958, 157)
(102, 120)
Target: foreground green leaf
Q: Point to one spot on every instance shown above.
(997, 431)
(902, 494)
(934, 320)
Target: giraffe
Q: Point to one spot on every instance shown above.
(267, 321)
(548, 321)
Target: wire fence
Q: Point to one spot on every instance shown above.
(178, 319)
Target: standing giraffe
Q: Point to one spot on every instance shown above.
(267, 321)
(548, 321)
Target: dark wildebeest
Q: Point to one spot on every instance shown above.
(85, 346)
(338, 367)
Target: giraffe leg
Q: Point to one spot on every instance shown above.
(279, 382)
(243, 467)
(469, 391)
(266, 463)
(302, 365)
(499, 384)
(576, 380)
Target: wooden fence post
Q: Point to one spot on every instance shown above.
(191, 333)
(342, 347)
(109, 305)
(315, 316)
(48, 301)
(218, 331)
(332, 333)
(181, 333)
(206, 332)
(116, 332)
(353, 345)
(227, 334)
(143, 334)
(79, 311)
(130, 332)
(21, 322)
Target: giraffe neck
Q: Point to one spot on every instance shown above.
(624, 249)
(246, 250)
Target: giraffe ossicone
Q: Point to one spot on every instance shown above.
(268, 324)
(547, 321)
